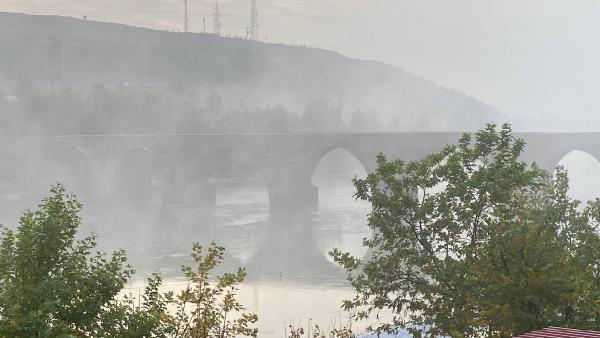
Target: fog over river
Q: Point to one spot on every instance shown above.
(181, 122)
(291, 278)
(290, 275)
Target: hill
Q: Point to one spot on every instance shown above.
(47, 49)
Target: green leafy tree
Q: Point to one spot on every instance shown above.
(471, 241)
(207, 308)
(52, 285)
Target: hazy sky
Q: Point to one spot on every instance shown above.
(529, 58)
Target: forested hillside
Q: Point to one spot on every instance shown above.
(47, 52)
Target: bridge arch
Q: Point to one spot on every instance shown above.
(367, 162)
(208, 171)
(355, 164)
(583, 170)
(548, 149)
(289, 178)
(342, 220)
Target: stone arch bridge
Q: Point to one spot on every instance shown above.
(183, 164)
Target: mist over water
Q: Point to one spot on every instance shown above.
(290, 274)
(291, 278)
(170, 139)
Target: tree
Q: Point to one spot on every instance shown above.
(215, 107)
(471, 241)
(361, 121)
(53, 286)
(207, 309)
(322, 115)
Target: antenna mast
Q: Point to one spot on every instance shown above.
(254, 21)
(186, 19)
(217, 20)
(63, 62)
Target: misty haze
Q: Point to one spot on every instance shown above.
(298, 136)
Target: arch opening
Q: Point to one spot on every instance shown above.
(333, 176)
(341, 220)
(583, 171)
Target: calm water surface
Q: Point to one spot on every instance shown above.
(291, 278)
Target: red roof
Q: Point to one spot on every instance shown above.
(559, 332)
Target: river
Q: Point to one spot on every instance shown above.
(291, 278)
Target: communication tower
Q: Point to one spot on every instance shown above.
(217, 20)
(254, 21)
(186, 19)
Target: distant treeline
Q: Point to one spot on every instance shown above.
(27, 110)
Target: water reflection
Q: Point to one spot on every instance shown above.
(290, 276)
(291, 245)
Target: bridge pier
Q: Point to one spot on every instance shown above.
(134, 177)
(177, 191)
(290, 187)
(288, 250)
(173, 190)
(283, 197)
(201, 192)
